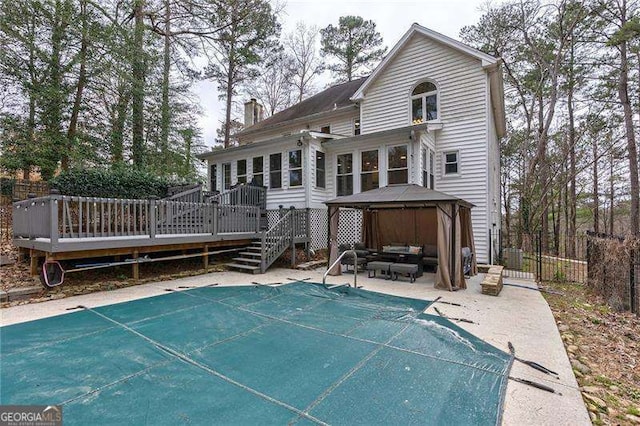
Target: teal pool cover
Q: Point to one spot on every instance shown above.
(293, 354)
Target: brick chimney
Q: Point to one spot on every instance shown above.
(253, 112)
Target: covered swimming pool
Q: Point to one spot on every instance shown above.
(292, 354)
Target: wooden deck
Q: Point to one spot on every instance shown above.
(59, 227)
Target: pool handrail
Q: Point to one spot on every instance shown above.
(355, 267)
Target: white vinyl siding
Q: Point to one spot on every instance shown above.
(464, 100)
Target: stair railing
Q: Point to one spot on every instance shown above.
(243, 195)
(276, 240)
(337, 261)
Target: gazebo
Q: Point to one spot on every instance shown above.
(414, 215)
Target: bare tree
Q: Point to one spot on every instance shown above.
(302, 47)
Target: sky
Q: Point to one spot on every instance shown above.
(392, 18)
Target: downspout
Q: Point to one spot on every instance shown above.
(307, 155)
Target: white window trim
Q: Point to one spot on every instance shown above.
(253, 173)
(360, 172)
(223, 182)
(424, 100)
(444, 163)
(269, 172)
(246, 170)
(389, 169)
(290, 169)
(315, 175)
(352, 174)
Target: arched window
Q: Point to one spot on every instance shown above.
(424, 103)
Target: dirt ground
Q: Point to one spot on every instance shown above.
(604, 349)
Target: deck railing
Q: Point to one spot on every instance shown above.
(292, 225)
(192, 194)
(65, 217)
(243, 195)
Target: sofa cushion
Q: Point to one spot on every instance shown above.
(430, 250)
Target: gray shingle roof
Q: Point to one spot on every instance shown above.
(334, 97)
(398, 195)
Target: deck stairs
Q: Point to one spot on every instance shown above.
(291, 228)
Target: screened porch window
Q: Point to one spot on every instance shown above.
(226, 175)
(295, 168)
(258, 170)
(213, 179)
(320, 169)
(242, 171)
(397, 170)
(344, 175)
(424, 103)
(369, 176)
(275, 171)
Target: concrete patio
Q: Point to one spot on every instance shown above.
(518, 315)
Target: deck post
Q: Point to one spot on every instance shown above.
(214, 229)
(53, 216)
(205, 257)
(153, 220)
(135, 267)
(34, 262)
(263, 261)
(308, 232)
(293, 237)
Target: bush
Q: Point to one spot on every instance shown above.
(6, 186)
(112, 183)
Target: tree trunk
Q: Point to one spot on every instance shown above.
(544, 175)
(138, 74)
(632, 152)
(117, 127)
(165, 120)
(229, 100)
(596, 199)
(82, 78)
(572, 196)
(54, 143)
(611, 194)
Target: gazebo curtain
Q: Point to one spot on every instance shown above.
(467, 237)
(446, 279)
(409, 226)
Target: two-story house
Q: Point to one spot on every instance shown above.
(431, 114)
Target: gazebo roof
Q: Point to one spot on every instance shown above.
(395, 196)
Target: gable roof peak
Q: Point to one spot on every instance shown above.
(486, 60)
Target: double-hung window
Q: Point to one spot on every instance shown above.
(258, 170)
(432, 169)
(369, 174)
(344, 175)
(275, 171)
(451, 163)
(320, 169)
(241, 171)
(397, 165)
(425, 167)
(424, 103)
(295, 168)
